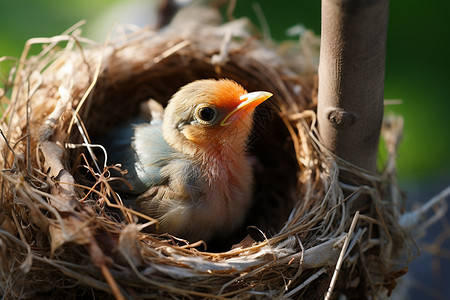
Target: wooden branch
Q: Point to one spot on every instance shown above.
(351, 78)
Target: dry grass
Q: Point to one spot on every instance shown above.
(65, 232)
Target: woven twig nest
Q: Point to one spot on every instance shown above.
(64, 232)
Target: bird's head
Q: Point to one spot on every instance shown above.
(210, 113)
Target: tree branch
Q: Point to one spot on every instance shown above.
(351, 78)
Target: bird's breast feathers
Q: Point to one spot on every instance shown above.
(189, 194)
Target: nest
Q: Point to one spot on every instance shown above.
(66, 233)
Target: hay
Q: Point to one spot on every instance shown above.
(64, 232)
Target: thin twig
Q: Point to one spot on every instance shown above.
(341, 257)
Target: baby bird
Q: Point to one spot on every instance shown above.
(190, 169)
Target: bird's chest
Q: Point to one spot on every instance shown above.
(228, 182)
(201, 196)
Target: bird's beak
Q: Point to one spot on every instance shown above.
(248, 103)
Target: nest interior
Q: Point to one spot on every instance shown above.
(74, 235)
(270, 144)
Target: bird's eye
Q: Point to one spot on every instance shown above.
(206, 114)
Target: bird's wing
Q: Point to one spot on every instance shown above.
(141, 150)
(151, 110)
(151, 154)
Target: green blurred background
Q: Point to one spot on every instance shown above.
(417, 71)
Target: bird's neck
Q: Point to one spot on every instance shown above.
(222, 161)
